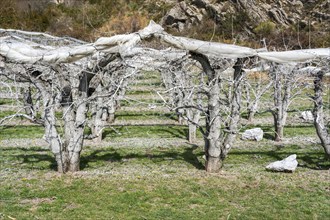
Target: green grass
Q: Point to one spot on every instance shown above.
(21, 131)
(149, 131)
(141, 102)
(7, 101)
(140, 92)
(146, 131)
(164, 183)
(151, 83)
(6, 113)
(145, 115)
(289, 130)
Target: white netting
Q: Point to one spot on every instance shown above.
(31, 47)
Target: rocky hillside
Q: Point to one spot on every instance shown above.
(300, 22)
(282, 12)
(279, 23)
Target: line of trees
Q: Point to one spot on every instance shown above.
(203, 79)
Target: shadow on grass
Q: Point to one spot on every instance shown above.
(124, 115)
(177, 132)
(42, 159)
(33, 158)
(142, 130)
(156, 155)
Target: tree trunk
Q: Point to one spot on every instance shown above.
(194, 116)
(213, 164)
(98, 125)
(111, 118)
(75, 109)
(251, 113)
(112, 105)
(278, 130)
(28, 103)
(168, 80)
(235, 116)
(252, 109)
(73, 136)
(213, 118)
(179, 102)
(192, 133)
(279, 123)
(320, 126)
(99, 117)
(212, 139)
(282, 95)
(52, 136)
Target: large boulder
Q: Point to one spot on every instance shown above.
(288, 164)
(255, 134)
(307, 116)
(182, 16)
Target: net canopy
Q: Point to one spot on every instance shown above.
(32, 47)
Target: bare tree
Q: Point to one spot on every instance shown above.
(174, 81)
(221, 129)
(283, 80)
(112, 75)
(256, 84)
(287, 84)
(183, 82)
(58, 71)
(318, 112)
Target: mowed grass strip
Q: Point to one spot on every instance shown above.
(164, 183)
(144, 115)
(149, 131)
(7, 101)
(153, 131)
(122, 132)
(21, 131)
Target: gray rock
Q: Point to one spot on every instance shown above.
(307, 115)
(255, 134)
(190, 13)
(288, 164)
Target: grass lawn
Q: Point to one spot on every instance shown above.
(164, 183)
(163, 180)
(149, 131)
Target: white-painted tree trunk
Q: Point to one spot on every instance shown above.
(283, 79)
(218, 140)
(212, 135)
(320, 125)
(235, 110)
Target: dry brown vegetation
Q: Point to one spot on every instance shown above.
(87, 20)
(91, 19)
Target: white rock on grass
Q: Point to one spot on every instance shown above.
(253, 134)
(307, 116)
(288, 164)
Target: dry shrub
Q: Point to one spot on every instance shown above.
(265, 29)
(122, 24)
(258, 75)
(326, 79)
(66, 26)
(9, 18)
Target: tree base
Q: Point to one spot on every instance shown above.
(213, 164)
(66, 163)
